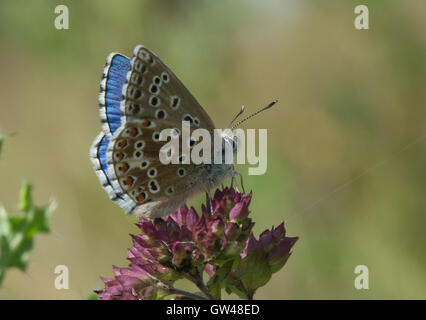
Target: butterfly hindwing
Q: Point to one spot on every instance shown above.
(98, 156)
(139, 173)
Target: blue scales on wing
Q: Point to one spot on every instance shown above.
(113, 80)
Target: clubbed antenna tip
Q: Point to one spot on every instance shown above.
(252, 115)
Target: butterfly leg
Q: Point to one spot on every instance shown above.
(209, 201)
(167, 246)
(233, 181)
(241, 180)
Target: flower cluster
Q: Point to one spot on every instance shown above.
(185, 244)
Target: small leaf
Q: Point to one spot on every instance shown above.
(17, 232)
(215, 282)
(4, 224)
(1, 141)
(25, 197)
(254, 271)
(234, 285)
(93, 296)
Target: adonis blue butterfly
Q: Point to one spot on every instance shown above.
(139, 97)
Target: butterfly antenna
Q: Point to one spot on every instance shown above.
(235, 118)
(252, 115)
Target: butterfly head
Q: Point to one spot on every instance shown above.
(230, 141)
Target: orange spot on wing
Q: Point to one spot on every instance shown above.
(125, 167)
(122, 143)
(140, 197)
(129, 181)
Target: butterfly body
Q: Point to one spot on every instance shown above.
(139, 98)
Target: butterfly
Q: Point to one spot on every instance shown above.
(139, 97)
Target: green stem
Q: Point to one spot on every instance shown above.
(248, 295)
(198, 281)
(180, 292)
(173, 290)
(2, 271)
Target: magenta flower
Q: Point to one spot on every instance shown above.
(185, 244)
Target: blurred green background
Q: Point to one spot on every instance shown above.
(346, 144)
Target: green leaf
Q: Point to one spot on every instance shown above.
(17, 232)
(254, 271)
(279, 263)
(215, 283)
(25, 197)
(1, 141)
(234, 285)
(93, 296)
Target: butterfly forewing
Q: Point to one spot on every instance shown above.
(153, 99)
(153, 91)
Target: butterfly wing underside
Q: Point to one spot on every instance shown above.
(153, 99)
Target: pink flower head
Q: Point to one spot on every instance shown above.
(185, 244)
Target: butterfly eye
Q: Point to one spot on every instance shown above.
(227, 144)
(235, 143)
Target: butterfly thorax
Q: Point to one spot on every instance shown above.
(216, 173)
